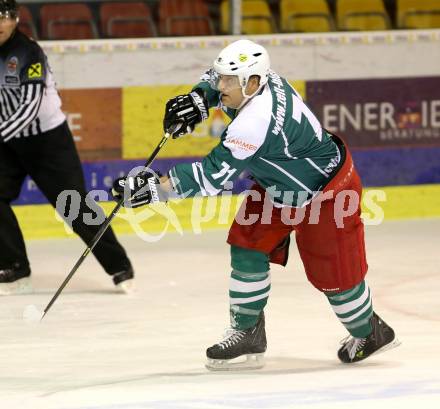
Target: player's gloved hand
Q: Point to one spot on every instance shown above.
(137, 190)
(184, 112)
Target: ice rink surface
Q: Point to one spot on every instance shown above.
(100, 350)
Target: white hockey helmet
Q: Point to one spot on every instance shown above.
(243, 58)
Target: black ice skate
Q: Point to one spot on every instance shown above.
(381, 339)
(15, 280)
(124, 281)
(249, 344)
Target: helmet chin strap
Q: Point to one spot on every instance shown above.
(247, 98)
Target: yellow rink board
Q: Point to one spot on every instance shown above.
(38, 221)
(142, 113)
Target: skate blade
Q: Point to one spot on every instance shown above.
(393, 344)
(126, 287)
(253, 361)
(21, 286)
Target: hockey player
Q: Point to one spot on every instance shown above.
(35, 140)
(297, 165)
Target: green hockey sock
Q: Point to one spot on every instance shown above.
(249, 286)
(354, 309)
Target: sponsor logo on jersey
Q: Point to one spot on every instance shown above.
(331, 165)
(280, 95)
(12, 65)
(242, 145)
(35, 71)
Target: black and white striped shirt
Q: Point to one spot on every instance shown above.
(29, 102)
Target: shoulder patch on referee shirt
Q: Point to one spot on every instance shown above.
(35, 71)
(12, 65)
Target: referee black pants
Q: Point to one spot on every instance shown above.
(52, 161)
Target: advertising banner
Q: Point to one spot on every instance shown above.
(99, 177)
(393, 126)
(143, 110)
(379, 113)
(94, 117)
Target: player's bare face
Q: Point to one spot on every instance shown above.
(230, 88)
(7, 27)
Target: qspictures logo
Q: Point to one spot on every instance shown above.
(72, 208)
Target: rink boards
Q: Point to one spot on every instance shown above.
(387, 111)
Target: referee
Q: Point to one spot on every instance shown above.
(35, 140)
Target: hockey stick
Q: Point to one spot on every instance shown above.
(102, 229)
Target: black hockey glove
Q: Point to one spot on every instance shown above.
(184, 112)
(138, 190)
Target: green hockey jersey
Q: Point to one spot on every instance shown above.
(276, 138)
